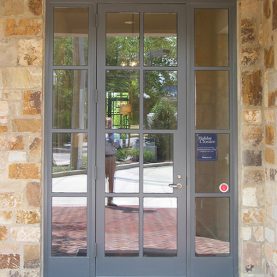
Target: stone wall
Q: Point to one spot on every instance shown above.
(21, 61)
(258, 116)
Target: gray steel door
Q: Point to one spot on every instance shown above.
(141, 141)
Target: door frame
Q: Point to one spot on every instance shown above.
(195, 265)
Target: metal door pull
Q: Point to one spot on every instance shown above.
(178, 186)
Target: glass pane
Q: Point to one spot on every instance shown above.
(122, 227)
(160, 39)
(71, 36)
(122, 39)
(212, 162)
(122, 99)
(160, 99)
(212, 99)
(158, 163)
(122, 162)
(211, 37)
(70, 93)
(160, 227)
(69, 164)
(69, 226)
(212, 227)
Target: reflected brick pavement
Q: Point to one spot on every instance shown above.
(69, 232)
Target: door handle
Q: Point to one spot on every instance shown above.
(177, 186)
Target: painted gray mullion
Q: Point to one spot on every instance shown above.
(70, 67)
(69, 194)
(211, 131)
(141, 134)
(213, 194)
(91, 178)
(137, 131)
(55, 131)
(234, 142)
(48, 141)
(148, 68)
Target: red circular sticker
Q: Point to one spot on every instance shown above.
(223, 187)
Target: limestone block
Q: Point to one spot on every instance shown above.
(267, 8)
(3, 129)
(269, 235)
(274, 212)
(253, 176)
(258, 232)
(16, 143)
(253, 135)
(252, 88)
(4, 108)
(274, 257)
(247, 29)
(6, 217)
(35, 150)
(27, 217)
(23, 27)
(269, 134)
(246, 233)
(17, 156)
(9, 200)
(249, 55)
(10, 261)
(252, 116)
(33, 194)
(24, 171)
(26, 233)
(31, 102)
(269, 116)
(252, 256)
(249, 198)
(15, 108)
(32, 273)
(269, 155)
(27, 125)
(269, 57)
(273, 176)
(3, 233)
(272, 81)
(35, 6)
(29, 52)
(8, 52)
(11, 7)
(31, 256)
(268, 251)
(21, 78)
(274, 15)
(272, 99)
(252, 158)
(253, 216)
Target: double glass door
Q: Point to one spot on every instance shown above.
(138, 179)
(141, 218)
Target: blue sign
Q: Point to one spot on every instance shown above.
(206, 147)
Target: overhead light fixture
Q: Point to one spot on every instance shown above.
(129, 22)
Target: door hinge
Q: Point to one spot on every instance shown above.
(95, 173)
(96, 20)
(95, 250)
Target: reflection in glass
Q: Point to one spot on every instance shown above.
(209, 174)
(69, 226)
(211, 37)
(160, 39)
(212, 226)
(122, 162)
(122, 39)
(158, 163)
(122, 227)
(69, 162)
(122, 99)
(212, 99)
(71, 36)
(70, 93)
(160, 99)
(160, 227)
